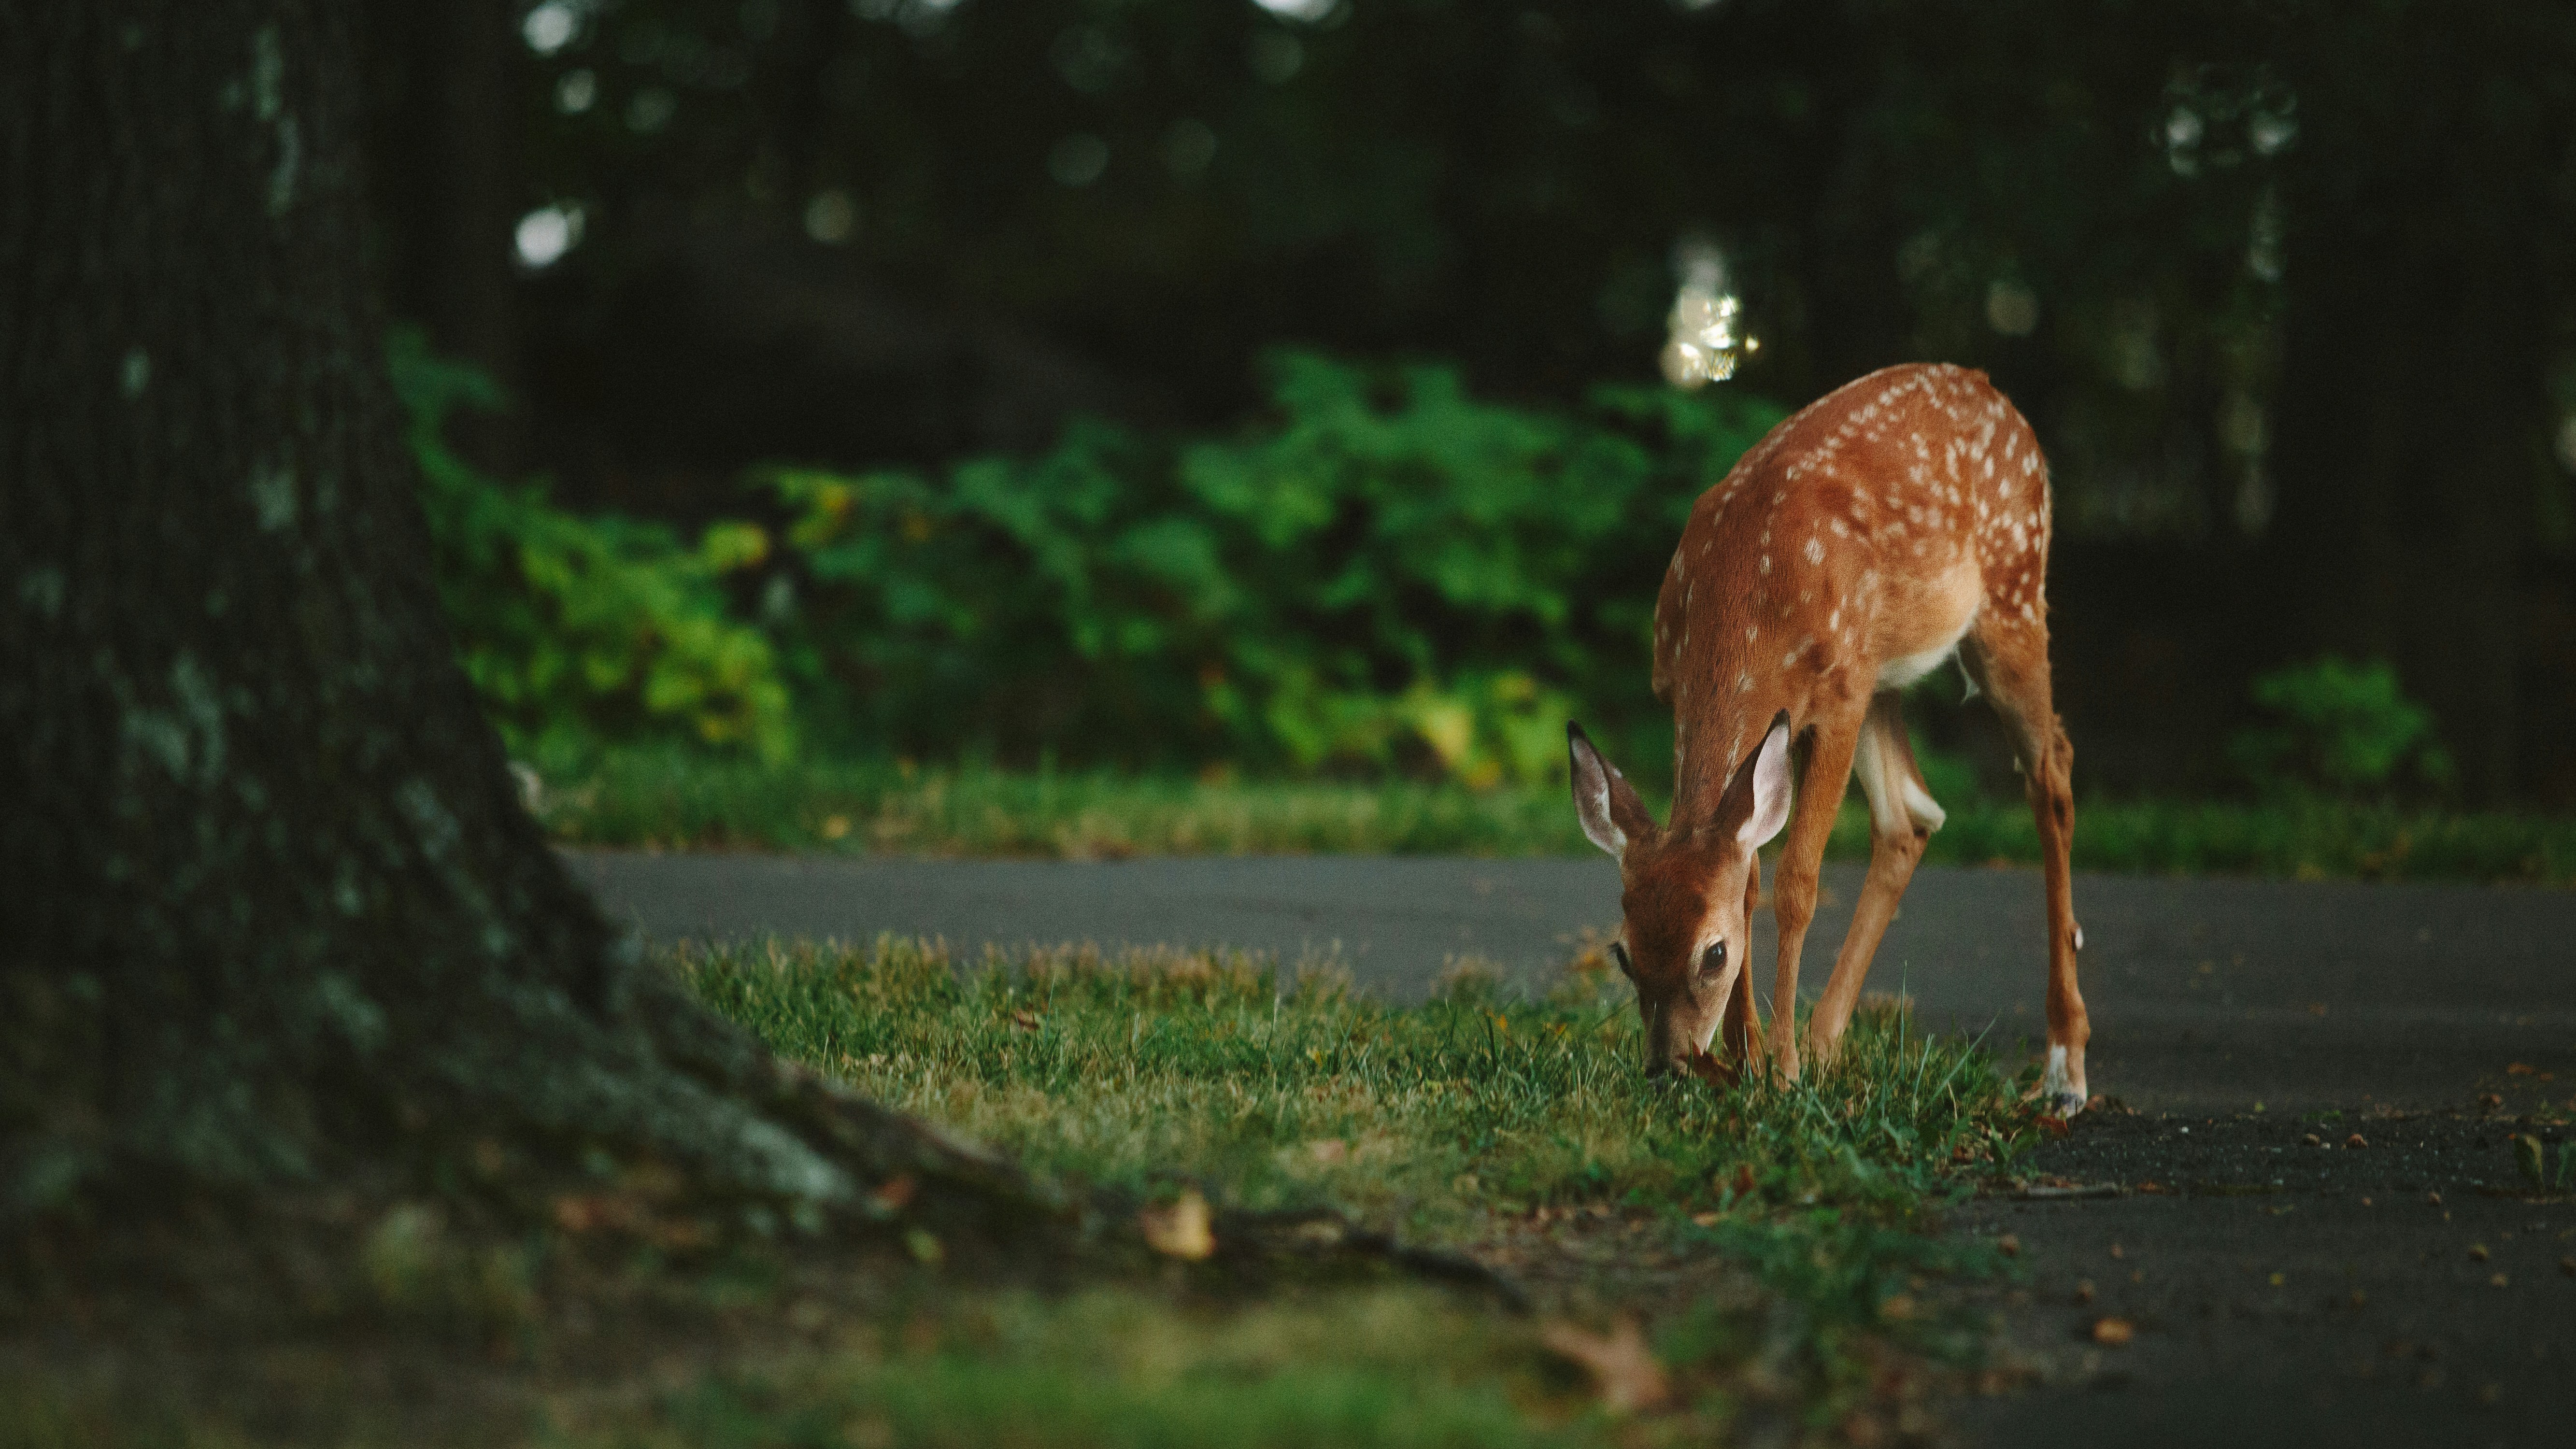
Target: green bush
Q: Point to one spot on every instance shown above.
(1384, 572)
(585, 631)
(2338, 729)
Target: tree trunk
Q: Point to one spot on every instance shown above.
(272, 907)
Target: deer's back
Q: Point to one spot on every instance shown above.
(1866, 531)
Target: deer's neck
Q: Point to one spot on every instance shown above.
(1718, 721)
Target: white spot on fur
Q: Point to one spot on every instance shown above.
(1815, 550)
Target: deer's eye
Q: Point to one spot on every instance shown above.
(1619, 953)
(1713, 960)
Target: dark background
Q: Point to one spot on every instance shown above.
(2286, 288)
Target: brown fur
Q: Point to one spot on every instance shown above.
(1900, 515)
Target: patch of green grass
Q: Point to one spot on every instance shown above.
(1774, 1237)
(1385, 1366)
(675, 801)
(678, 801)
(1125, 1068)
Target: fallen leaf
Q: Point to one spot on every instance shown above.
(2526, 1155)
(2113, 1332)
(2518, 1069)
(2489, 1099)
(2478, 1251)
(677, 1235)
(2497, 1281)
(1179, 1228)
(2084, 1290)
(2010, 1244)
(1025, 1020)
(1623, 1369)
(579, 1213)
(2356, 1140)
(1328, 1150)
(1705, 1220)
(895, 1194)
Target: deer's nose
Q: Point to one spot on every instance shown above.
(1657, 1066)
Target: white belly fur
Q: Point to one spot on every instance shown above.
(1898, 673)
(1948, 605)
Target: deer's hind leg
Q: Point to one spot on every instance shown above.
(1902, 817)
(2008, 657)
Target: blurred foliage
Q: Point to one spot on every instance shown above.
(2093, 210)
(2339, 729)
(2193, 240)
(580, 630)
(1382, 572)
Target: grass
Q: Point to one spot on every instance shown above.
(662, 801)
(1776, 1241)
(1761, 1262)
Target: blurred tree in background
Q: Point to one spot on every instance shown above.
(2285, 288)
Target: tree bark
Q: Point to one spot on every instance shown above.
(273, 913)
(272, 905)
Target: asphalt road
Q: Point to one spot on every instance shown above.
(2206, 995)
(2277, 1289)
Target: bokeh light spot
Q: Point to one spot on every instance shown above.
(545, 234)
(1078, 159)
(831, 217)
(551, 26)
(2012, 308)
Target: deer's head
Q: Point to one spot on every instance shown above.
(1683, 936)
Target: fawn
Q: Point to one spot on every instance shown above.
(1897, 522)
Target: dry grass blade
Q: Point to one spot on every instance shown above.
(1179, 1228)
(1623, 1368)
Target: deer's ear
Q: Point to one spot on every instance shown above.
(1758, 796)
(1608, 806)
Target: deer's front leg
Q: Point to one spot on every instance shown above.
(1743, 1023)
(1793, 881)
